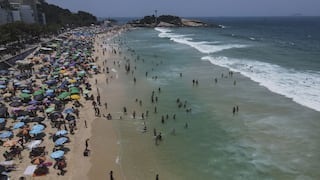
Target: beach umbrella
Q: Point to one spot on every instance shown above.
(3, 86)
(69, 110)
(39, 97)
(35, 131)
(2, 120)
(38, 119)
(38, 127)
(57, 154)
(30, 108)
(75, 97)
(18, 125)
(63, 95)
(10, 143)
(72, 80)
(33, 102)
(3, 82)
(86, 92)
(38, 92)
(34, 144)
(38, 160)
(15, 104)
(26, 91)
(6, 134)
(49, 110)
(70, 117)
(61, 132)
(61, 141)
(25, 95)
(50, 82)
(74, 90)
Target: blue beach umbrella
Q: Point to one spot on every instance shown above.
(57, 154)
(6, 134)
(35, 131)
(26, 91)
(69, 110)
(18, 125)
(61, 132)
(38, 127)
(2, 120)
(61, 141)
(3, 86)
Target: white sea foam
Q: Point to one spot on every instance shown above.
(202, 46)
(302, 86)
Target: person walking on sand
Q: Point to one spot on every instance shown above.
(157, 177)
(111, 175)
(87, 143)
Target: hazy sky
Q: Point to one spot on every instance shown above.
(138, 8)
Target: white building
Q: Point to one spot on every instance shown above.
(15, 15)
(4, 16)
(26, 13)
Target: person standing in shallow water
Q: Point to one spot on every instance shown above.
(157, 177)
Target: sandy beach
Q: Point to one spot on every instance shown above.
(96, 130)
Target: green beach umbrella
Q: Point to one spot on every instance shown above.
(74, 90)
(49, 110)
(81, 73)
(38, 92)
(63, 95)
(25, 95)
(86, 92)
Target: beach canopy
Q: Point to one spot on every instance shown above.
(57, 154)
(61, 141)
(61, 132)
(6, 134)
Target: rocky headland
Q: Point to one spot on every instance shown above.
(169, 21)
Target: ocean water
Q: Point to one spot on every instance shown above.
(275, 84)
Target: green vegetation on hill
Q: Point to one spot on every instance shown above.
(57, 19)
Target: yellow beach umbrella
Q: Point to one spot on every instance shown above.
(72, 81)
(62, 71)
(75, 97)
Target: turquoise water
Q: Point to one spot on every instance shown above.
(275, 134)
